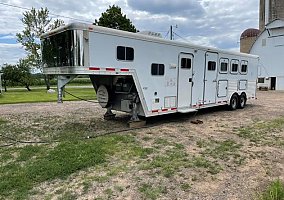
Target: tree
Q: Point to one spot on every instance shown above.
(19, 74)
(36, 22)
(113, 18)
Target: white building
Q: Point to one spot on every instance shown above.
(269, 46)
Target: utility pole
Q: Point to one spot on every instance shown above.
(172, 38)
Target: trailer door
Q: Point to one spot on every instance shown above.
(185, 80)
(210, 78)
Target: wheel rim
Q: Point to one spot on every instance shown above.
(234, 103)
(242, 101)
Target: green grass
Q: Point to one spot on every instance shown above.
(264, 132)
(227, 150)
(40, 95)
(274, 191)
(223, 149)
(33, 165)
(201, 162)
(151, 192)
(170, 162)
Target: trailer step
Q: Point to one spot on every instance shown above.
(186, 110)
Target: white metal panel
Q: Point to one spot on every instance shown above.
(280, 83)
(184, 82)
(210, 78)
(242, 84)
(222, 88)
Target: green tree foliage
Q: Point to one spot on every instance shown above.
(36, 22)
(113, 18)
(19, 74)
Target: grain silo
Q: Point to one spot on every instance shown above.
(269, 10)
(247, 38)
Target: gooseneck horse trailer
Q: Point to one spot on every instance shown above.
(145, 75)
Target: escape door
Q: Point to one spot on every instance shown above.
(185, 80)
(210, 78)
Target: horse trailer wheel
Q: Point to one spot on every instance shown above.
(243, 101)
(234, 102)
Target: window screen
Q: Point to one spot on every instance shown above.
(186, 63)
(244, 69)
(234, 67)
(224, 67)
(125, 53)
(157, 69)
(211, 66)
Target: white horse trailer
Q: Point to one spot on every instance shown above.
(146, 75)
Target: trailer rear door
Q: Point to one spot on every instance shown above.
(185, 80)
(210, 78)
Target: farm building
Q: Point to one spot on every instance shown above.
(270, 48)
(268, 44)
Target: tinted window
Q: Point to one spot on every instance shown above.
(58, 50)
(211, 66)
(129, 53)
(224, 67)
(244, 68)
(125, 53)
(157, 69)
(186, 63)
(260, 80)
(234, 67)
(120, 53)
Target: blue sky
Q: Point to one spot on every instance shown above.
(215, 23)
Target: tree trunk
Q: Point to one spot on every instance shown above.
(5, 86)
(47, 82)
(28, 87)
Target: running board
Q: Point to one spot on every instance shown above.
(186, 110)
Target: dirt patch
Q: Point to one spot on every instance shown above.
(221, 158)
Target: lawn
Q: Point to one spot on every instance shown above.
(41, 95)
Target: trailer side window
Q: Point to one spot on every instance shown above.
(125, 53)
(260, 80)
(234, 66)
(224, 67)
(157, 69)
(211, 66)
(244, 67)
(186, 63)
(224, 62)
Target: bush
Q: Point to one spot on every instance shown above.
(274, 191)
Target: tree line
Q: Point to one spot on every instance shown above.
(37, 22)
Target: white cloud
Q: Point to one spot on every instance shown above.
(10, 53)
(216, 23)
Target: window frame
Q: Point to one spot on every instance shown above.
(243, 62)
(224, 60)
(234, 61)
(187, 68)
(125, 53)
(158, 69)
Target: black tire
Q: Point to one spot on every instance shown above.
(242, 101)
(234, 102)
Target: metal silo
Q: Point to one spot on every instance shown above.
(270, 10)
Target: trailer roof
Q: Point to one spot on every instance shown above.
(109, 31)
